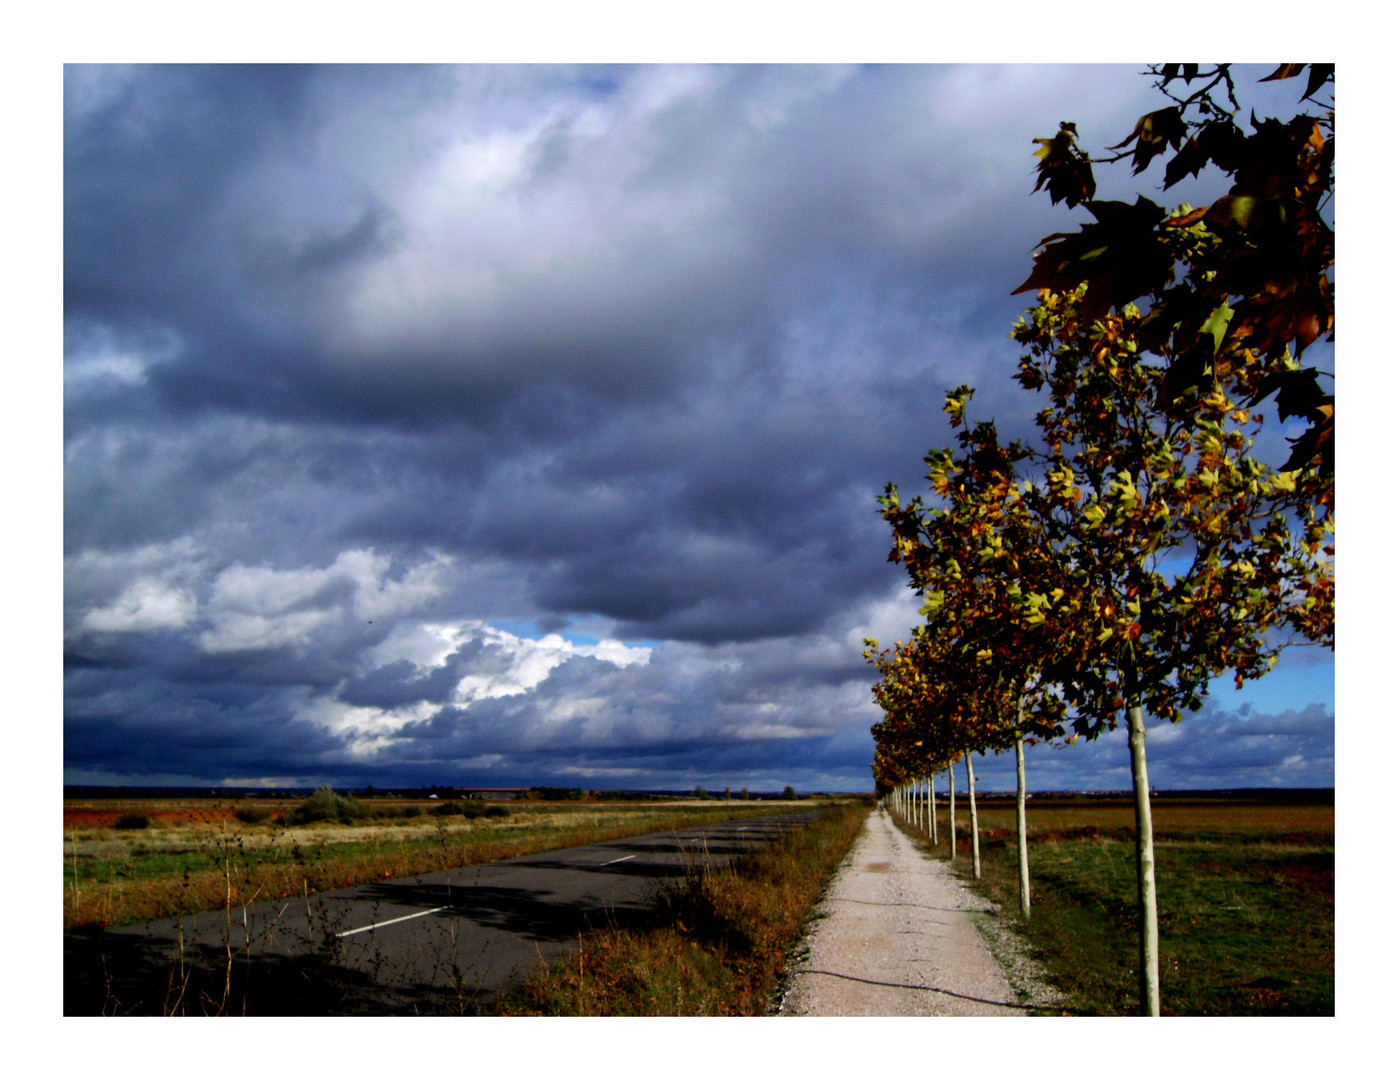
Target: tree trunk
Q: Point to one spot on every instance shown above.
(951, 809)
(1145, 865)
(975, 823)
(932, 803)
(1021, 822)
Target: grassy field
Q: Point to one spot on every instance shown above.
(128, 861)
(715, 947)
(1246, 900)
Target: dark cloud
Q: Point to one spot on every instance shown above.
(375, 378)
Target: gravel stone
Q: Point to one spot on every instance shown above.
(896, 935)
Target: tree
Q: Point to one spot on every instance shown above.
(788, 792)
(917, 737)
(1232, 294)
(1152, 549)
(1236, 291)
(1186, 556)
(986, 570)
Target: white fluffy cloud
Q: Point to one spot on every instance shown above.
(365, 731)
(503, 665)
(258, 607)
(147, 604)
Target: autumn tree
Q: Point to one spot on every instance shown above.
(911, 740)
(907, 695)
(987, 572)
(1187, 555)
(1252, 289)
(1166, 551)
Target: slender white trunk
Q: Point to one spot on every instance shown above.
(932, 803)
(975, 822)
(951, 810)
(1021, 823)
(1145, 865)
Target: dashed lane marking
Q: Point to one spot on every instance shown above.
(389, 922)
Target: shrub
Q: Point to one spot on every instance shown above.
(468, 809)
(252, 815)
(132, 821)
(557, 794)
(326, 805)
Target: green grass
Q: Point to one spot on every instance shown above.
(715, 947)
(1245, 893)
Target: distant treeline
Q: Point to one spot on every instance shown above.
(1319, 796)
(537, 792)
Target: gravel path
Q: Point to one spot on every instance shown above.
(897, 939)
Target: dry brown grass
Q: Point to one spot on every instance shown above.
(198, 858)
(1172, 818)
(715, 948)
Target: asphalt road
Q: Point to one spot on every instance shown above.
(441, 942)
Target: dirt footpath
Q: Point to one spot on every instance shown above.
(897, 939)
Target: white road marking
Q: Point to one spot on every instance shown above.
(622, 859)
(389, 922)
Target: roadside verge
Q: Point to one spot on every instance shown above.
(715, 946)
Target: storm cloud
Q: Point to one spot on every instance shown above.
(512, 424)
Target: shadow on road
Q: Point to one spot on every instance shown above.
(453, 947)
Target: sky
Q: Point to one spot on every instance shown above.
(524, 424)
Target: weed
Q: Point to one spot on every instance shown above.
(108, 881)
(714, 946)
